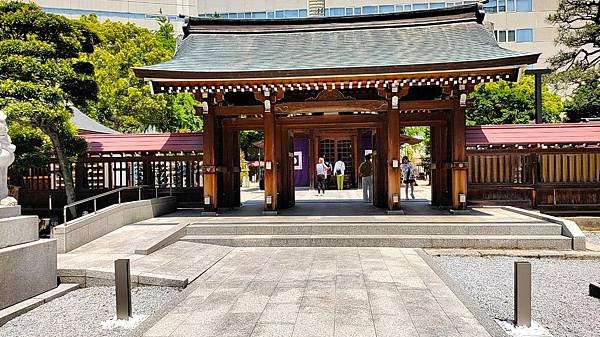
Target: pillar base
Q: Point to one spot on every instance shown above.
(460, 211)
(205, 213)
(395, 212)
(270, 212)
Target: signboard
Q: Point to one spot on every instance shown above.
(298, 160)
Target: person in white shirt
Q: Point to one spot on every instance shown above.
(321, 175)
(338, 170)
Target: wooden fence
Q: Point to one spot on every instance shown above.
(538, 178)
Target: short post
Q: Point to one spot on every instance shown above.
(95, 206)
(123, 288)
(139, 192)
(50, 201)
(156, 192)
(65, 214)
(119, 193)
(522, 293)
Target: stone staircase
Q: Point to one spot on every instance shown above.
(532, 234)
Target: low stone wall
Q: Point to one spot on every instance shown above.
(569, 228)
(27, 270)
(80, 231)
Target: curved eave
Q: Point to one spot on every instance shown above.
(173, 75)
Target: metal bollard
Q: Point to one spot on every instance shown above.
(123, 288)
(522, 293)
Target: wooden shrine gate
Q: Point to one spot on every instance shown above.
(279, 120)
(284, 75)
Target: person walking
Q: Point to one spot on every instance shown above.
(321, 175)
(408, 172)
(365, 170)
(338, 170)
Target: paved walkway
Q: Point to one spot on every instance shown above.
(309, 292)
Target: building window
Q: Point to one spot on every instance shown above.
(336, 11)
(349, 11)
(437, 5)
(491, 7)
(357, 10)
(524, 35)
(505, 35)
(302, 13)
(418, 7)
(259, 15)
(524, 6)
(369, 9)
(386, 9)
(501, 5)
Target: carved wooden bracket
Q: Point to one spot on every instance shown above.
(330, 95)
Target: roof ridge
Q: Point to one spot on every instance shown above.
(461, 13)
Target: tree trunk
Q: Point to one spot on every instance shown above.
(65, 170)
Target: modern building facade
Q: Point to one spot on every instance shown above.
(518, 24)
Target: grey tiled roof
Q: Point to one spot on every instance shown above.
(87, 124)
(216, 50)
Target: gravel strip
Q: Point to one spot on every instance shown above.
(81, 312)
(593, 237)
(560, 290)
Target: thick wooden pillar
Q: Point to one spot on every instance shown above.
(439, 159)
(459, 157)
(379, 167)
(355, 160)
(394, 174)
(209, 167)
(271, 168)
(230, 194)
(286, 168)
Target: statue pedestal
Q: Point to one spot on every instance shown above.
(9, 211)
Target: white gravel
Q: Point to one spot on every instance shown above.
(560, 290)
(593, 237)
(82, 312)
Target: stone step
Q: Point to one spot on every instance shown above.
(374, 229)
(18, 230)
(555, 242)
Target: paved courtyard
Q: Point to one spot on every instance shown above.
(319, 292)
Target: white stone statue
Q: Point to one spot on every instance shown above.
(7, 157)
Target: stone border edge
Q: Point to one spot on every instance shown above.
(569, 227)
(166, 239)
(18, 309)
(488, 323)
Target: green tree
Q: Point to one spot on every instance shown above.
(125, 102)
(41, 74)
(511, 103)
(584, 102)
(578, 25)
(577, 63)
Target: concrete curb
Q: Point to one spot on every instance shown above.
(99, 277)
(166, 239)
(540, 254)
(22, 307)
(569, 228)
(483, 317)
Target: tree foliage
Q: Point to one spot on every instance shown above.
(41, 73)
(584, 102)
(577, 64)
(125, 102)
(511, 103)
(578, 24)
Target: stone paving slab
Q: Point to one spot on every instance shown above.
(362, 292)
